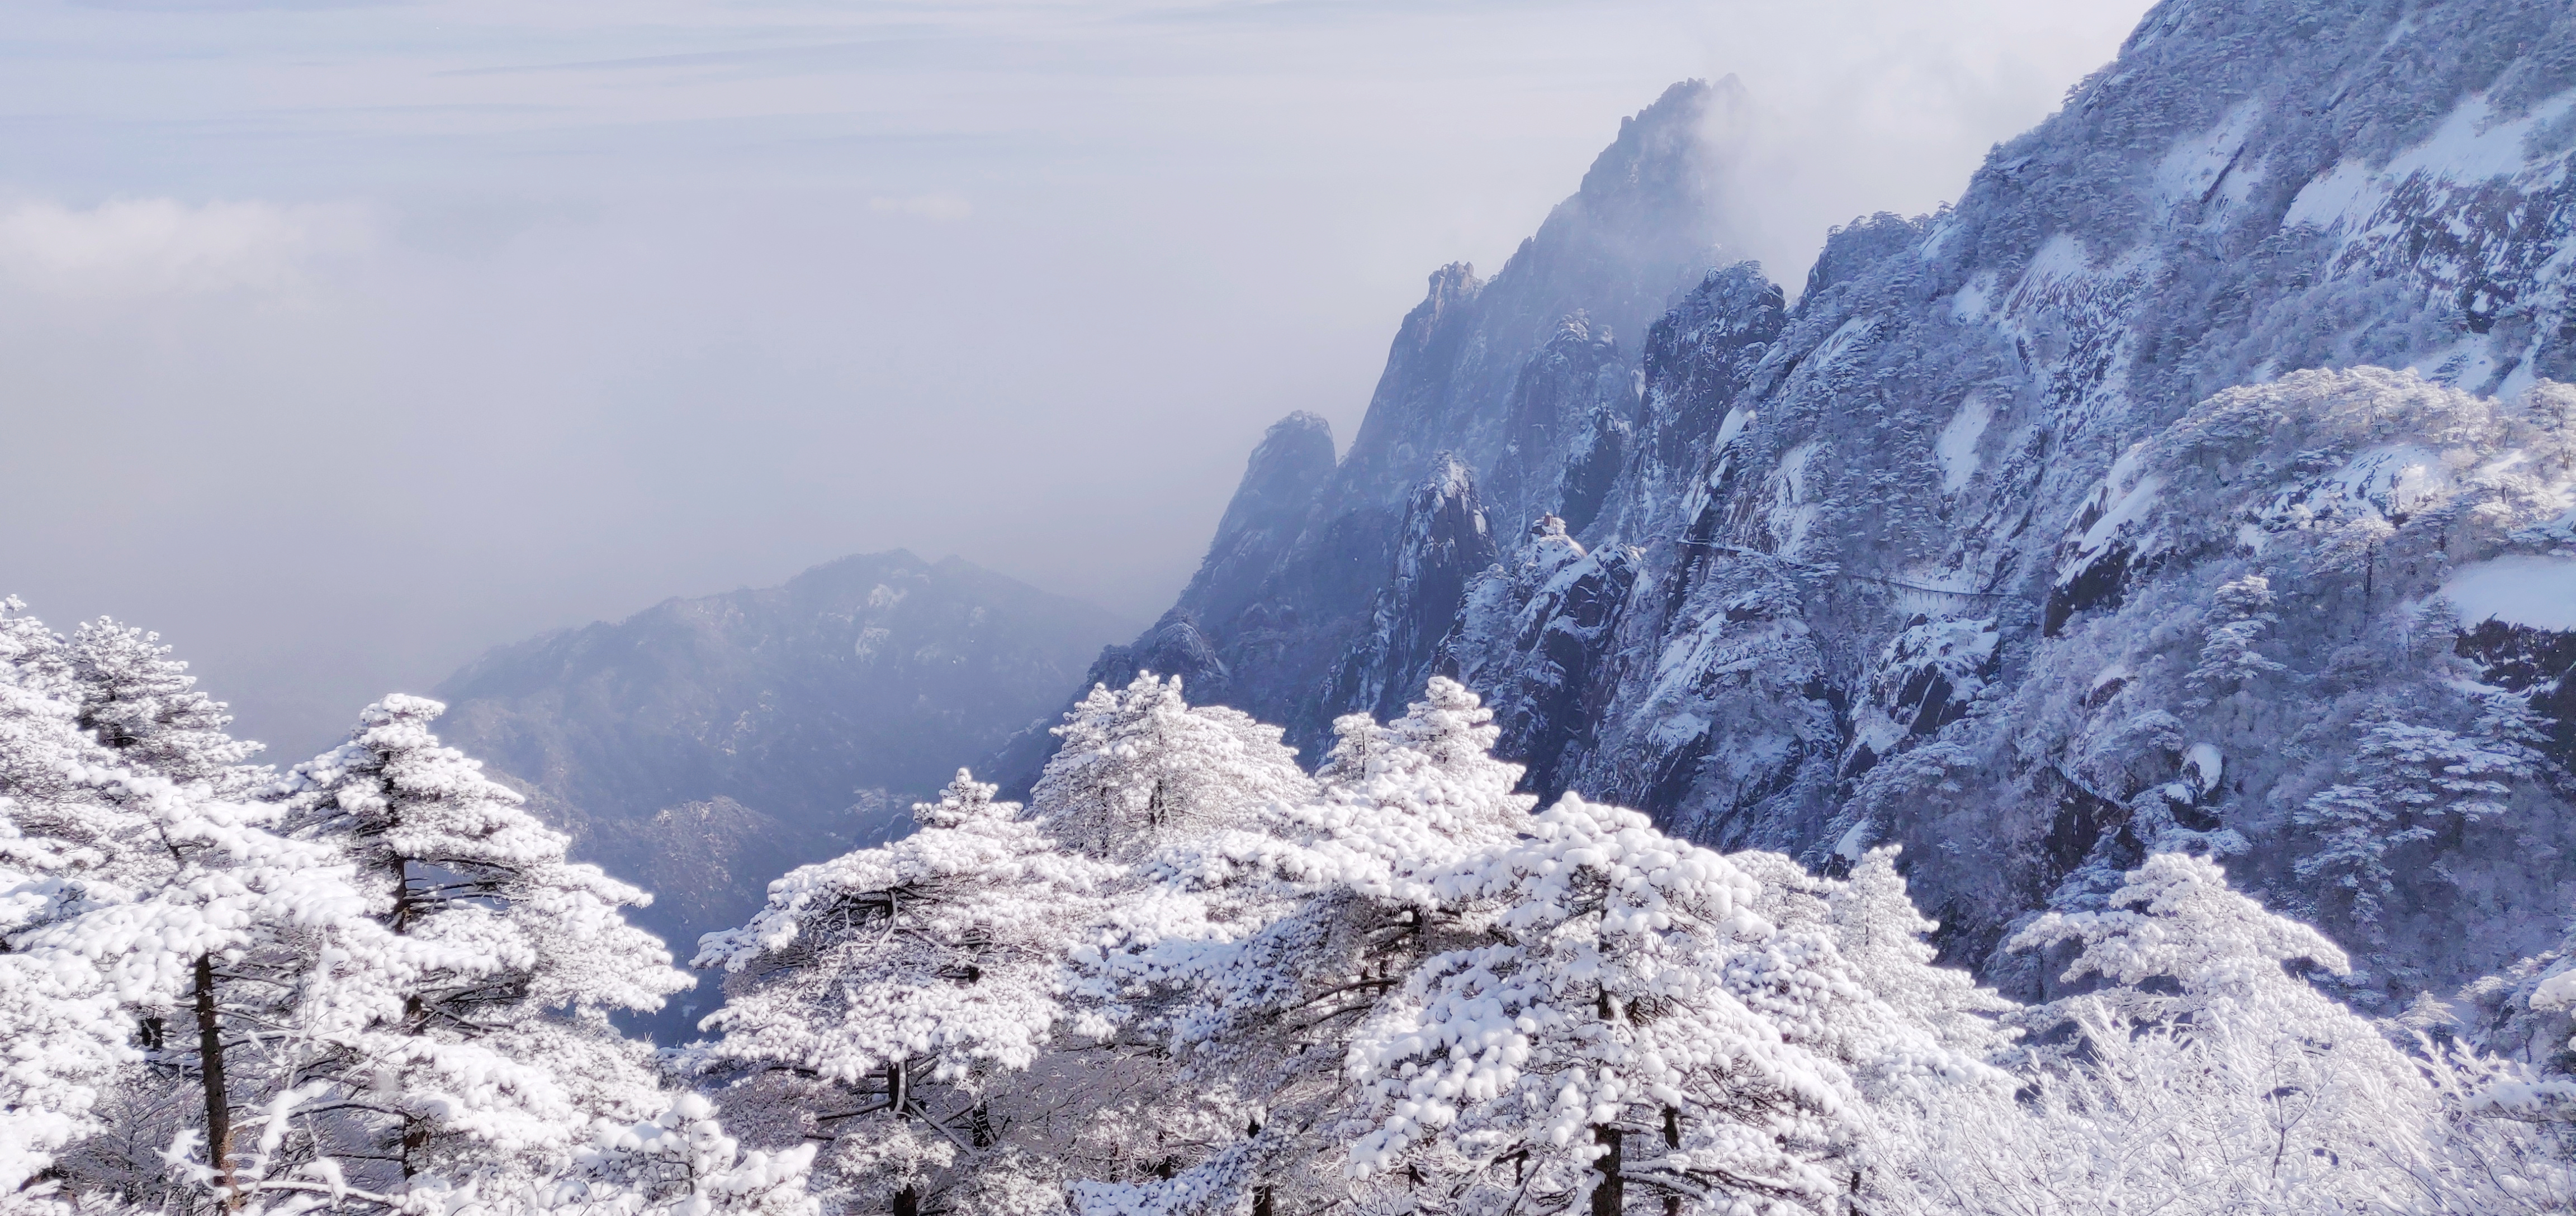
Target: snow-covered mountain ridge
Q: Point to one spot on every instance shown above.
(2027, 537)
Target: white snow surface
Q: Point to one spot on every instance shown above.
(2128, 501)
(2469, 146)
(2517, 589)
(1853, 842)
(2208, 164)
(1975, 300)
(1957, 446)
(2206, 765)
(1736, 420)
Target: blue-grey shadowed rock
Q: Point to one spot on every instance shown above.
(703, 747)
(1302, 566)
(2075, 521)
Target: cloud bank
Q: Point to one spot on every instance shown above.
(421, 327)
(157, 246)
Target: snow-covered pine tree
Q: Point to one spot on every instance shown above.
(225, 951)
(2241, 614)
(2177, 944)
(1883, 938)
(2409, 784)
(249, 962)
(66, 1036)
(63, 1035)
(1847, 975)
(499, 1052)
(1592, 1047)
(1431, 771)
(1140, 767)
(1275, 944)
(1189, 799)
(2203, 1076)
(144, 713)
(1197, 802)
(32, 653)
(144, 706)
(47, 760)
(681, 1162)
(886, 1002)
(1410, 799)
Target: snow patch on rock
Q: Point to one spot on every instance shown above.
(2517, 589)
(1957, 445)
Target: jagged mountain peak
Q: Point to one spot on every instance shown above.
(1504, 392)
(1646, 223)
(1301, 442)
(1666, 153)
(1446, 288)
(1292, 464)
(1842, 601)
(1442, 544)
(1898, 562)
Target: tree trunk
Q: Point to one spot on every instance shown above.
(401, 869)
(415, 1132)
(1261, 1200)
(1672, 1140)
(907, 1202)
(1610, 1197)
(210, 1069)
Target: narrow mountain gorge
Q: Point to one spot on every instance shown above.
(2200, 480)
(705, 746)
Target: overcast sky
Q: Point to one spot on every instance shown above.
(342, 341)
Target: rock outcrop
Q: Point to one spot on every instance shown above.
(2148, 497)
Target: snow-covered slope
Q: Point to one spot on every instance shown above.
(2020, 539)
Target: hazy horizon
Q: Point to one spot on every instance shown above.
(354, 339)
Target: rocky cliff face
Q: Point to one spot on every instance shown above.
(2028, 537)
(1512, 384)
(702, 747)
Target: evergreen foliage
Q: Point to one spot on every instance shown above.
(376, 983)
(1188, 977)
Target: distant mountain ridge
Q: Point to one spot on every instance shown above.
(704, 746)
